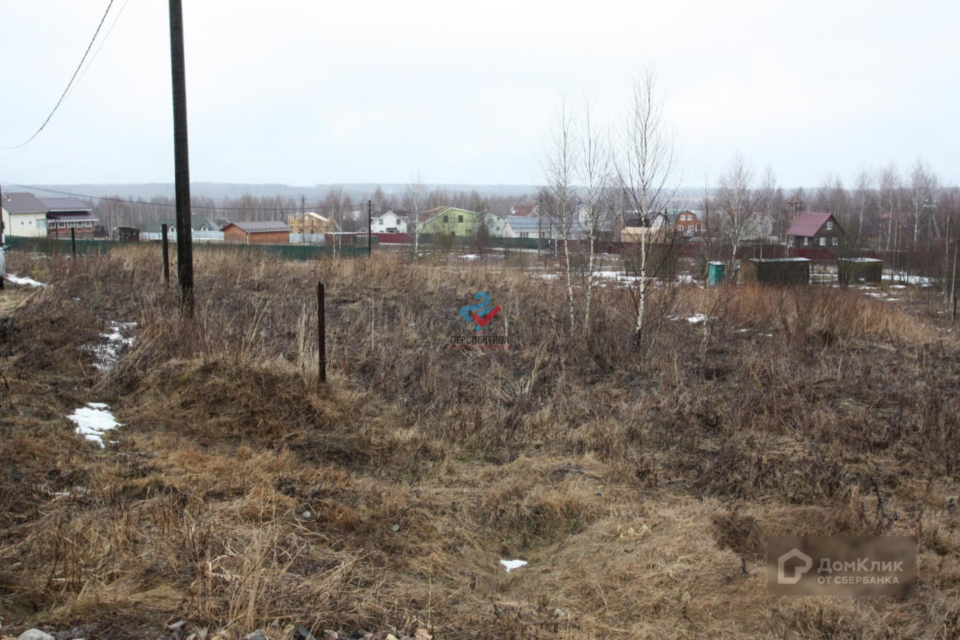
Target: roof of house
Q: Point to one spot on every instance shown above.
(807, 224)
(527, 224)
(197, 222)
(267, 226)
(426, 216)
(18, 203)
(400, 213)
(67, 216)
(64, 204)
(523, 209)
(314, 214)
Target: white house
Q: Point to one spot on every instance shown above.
(393, 221)
(24, 215)
(540, 227)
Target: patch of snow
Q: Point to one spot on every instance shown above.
(93, 421)
(513, 564)
(108, 354)
(470, 257)
(920, 280)
(898, 286)
(697, 318)
(27, 282)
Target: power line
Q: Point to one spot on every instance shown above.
(102, 42)
(143, 203)
(69, 84)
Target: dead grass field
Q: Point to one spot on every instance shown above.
(640, 485)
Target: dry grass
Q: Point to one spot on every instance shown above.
(241, 494)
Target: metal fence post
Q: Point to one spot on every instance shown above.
(322, 332)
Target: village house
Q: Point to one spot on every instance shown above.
(310, 223)
(68, 216)
(25, 215)
(198, 223)
(687, 223)
(657, 229)
(392, 221)
(541, 227)
(448, 221)
(269, 232)
(815, 231)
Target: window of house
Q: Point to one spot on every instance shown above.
(829, 226)
(460, 218)
(62, 225)
(823, 242)
(806, 241)
(446, 218)
(836, 241)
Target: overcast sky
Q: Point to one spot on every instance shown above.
(302, 92)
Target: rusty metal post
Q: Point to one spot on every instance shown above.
(73, 241)
(322, 332)
(166, 253)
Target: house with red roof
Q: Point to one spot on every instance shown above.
(525, 209)
(815, 231)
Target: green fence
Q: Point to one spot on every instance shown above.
(50, 246)
(493, 241)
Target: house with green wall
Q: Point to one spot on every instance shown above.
(448, 221)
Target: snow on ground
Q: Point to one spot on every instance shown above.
(513, 564)
(93, 421)
(108, 353)
(697, 318)
(920, 280)
(27, 282)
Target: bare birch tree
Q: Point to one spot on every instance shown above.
(736, 201)
(923, 186)
(889, 183)
(559, 162)
(414, 194)
(863, 188)
(593, 173)
(645, 166)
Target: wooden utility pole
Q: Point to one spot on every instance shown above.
(369, 228)
(164, 230)
(322, 333)
(3, 259)
(181, 159)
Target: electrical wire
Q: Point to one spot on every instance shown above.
(102, 42)
(69, 84)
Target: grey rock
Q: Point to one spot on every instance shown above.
(35, 634)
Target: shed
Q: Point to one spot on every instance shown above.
(776, 271)
(856, 270)
(128, 234)
(269, 232)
